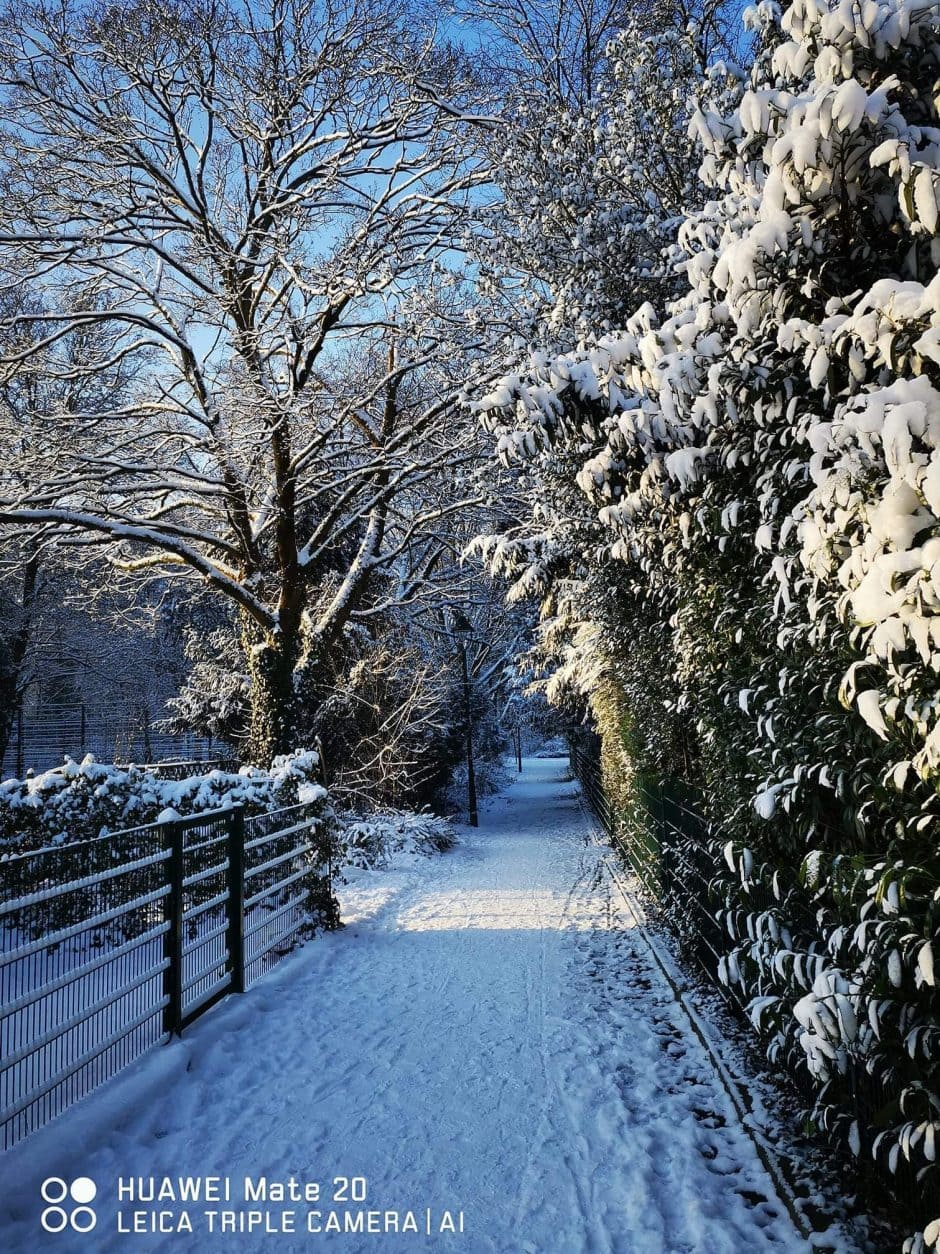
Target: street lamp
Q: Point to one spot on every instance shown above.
(462, 628)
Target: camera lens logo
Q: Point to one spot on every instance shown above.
(61, 1214)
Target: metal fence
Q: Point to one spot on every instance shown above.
(672, 855)
(675, 854)
(109, 946)
(42, 739)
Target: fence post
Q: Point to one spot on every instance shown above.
(318, 745)
(669, 836)
(236, 897)
(20, 747)
(173, 937)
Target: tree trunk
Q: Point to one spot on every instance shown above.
(13, 653)
(270, 659)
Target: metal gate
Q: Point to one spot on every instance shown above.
(112, 945)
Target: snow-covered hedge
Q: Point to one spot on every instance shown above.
(762, 455)
(88, 798)
(374, 840)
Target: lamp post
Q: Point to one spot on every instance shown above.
(462, 628)
(513, 716)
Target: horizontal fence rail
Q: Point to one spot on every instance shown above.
(109, 946)
(176, 769)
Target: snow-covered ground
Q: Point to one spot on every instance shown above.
(488, 1035)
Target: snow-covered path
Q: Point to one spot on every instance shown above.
(487, 1035)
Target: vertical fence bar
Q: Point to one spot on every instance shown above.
(173, 937)
(236, 897)
(668, 837)
(324, 779)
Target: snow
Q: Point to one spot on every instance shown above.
(78, 801)
(489, 1033)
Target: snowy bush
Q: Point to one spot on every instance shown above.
(371, 841)
(84, 799)
(839, 976)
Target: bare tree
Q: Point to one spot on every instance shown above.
(246, 193)
(558, 45)
(80, 370)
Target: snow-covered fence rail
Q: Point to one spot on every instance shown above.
(110, 946)
(183, 769)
